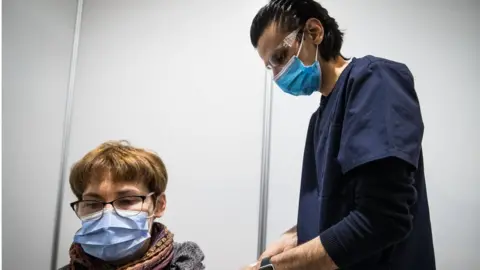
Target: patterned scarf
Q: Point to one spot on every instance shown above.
(157, 257)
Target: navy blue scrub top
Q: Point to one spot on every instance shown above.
(363, 186)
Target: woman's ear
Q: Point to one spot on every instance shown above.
(160, 205)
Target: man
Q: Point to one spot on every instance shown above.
(363, 201)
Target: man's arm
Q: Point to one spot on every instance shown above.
(310, 255)
(384, 193)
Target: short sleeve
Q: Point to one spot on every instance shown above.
(382, 117)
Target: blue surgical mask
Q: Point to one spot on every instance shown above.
(113, 236)
(297, 79)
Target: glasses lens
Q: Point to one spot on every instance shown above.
(128, 206)
(86, 208)
(279, 57)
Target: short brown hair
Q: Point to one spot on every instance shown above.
(122, 163)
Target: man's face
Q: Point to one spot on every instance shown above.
(277, 47)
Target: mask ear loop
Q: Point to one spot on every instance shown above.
(301, 44)
(300, 48)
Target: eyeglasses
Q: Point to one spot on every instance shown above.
(279, 56)
(123, 206)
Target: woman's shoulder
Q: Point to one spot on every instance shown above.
(77, 267)
(187, 255)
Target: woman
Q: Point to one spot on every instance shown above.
(121, 191)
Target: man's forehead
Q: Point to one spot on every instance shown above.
(269, 40)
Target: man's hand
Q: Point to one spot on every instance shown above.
(311, 255)
(286, 242)
(253, 266)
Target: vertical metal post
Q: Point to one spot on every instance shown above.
(66, 135)
(265, 169)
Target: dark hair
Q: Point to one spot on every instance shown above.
(291, 15)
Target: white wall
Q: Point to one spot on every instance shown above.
(37, 44)
(181, 78)
(439, 41)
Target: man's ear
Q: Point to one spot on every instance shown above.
(160, 205)
(314, 29)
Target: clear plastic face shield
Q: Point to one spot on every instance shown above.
(283, 52)
(290, 73)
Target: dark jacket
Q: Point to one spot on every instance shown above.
(186, 256)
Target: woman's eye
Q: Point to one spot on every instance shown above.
(132, 201)
(126, 201)
(91, 205)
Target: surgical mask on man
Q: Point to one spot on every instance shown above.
(114, 236)
(297, 79)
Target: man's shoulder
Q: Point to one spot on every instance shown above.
(366, 64)
(369, 74)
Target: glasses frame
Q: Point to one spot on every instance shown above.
(143, 197)
(287, 42)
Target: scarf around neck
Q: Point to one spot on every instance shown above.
(158, 256)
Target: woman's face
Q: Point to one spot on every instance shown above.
(123, 194)
(108, 190)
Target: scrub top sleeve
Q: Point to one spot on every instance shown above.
(382, 117)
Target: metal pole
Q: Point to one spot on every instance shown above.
(265, 169)
(66, 136)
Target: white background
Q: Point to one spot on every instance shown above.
(181, 78)
(37, 47)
